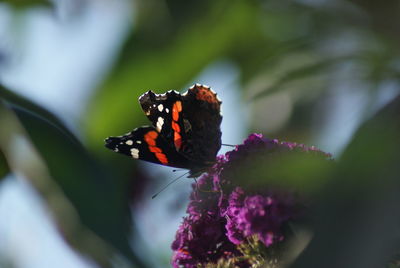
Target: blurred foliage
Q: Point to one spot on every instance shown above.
(27, 3)
(4, 169)
(22, 102)
(357, 216)
(283, 170)
(101, 201)
(291, 77)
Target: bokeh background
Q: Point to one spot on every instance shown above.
(317, 72)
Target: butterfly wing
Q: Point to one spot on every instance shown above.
(202, 119)
(146, 143)
(185, 133)
(165, 112)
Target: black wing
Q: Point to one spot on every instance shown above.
(146, 143)
(202, 119)
(165, 112)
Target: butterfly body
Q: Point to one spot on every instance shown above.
(185, 131)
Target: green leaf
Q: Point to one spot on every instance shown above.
(4, 169)
(27, 3)
(306, 71)
(99, 199)
(299, 171)
(17, 100)
(357, 216)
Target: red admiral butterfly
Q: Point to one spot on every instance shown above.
(185, 132)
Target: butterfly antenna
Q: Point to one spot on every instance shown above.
(166, 186)
(230, 145)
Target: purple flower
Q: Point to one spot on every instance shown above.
(258, 215)
(204, 200)
(223, 212)
(235, 234)
(201, 237)
(201, 240)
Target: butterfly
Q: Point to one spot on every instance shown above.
(185, 131)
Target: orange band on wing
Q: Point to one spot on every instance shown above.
(154, 149)
(179, 106)
(177, 140)
(150, 138)
(162, 158)
(176, 127)
(176, 109)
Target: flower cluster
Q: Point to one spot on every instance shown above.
(224, 212)
(257, 215)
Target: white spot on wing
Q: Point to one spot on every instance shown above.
(129, 142)
(160, 123)
(139, 142)
(160, 107)
(166, 110)
(135, 153)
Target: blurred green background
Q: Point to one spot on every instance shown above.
(323, 73)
